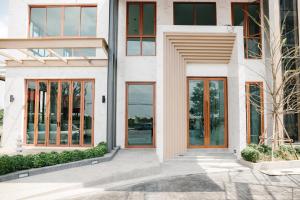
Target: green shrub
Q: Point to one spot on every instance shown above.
(10, 164)
(285, 152)
(297, 148)
(265, 149)
(250, 154)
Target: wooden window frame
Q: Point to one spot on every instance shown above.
(62, 20)
(141, 36)
(206, 109)
(194, 11)
(248, 103)
(153, 83)
(59, 81)
(247, 35)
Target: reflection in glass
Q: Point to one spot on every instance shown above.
(133, 19)
(64, 113)
(37, 22)
(53, 112)
(54, 21)
(148, 18)
(238, 13)
(255, 114)
(254, 13)
(217, 114)
(72, 21)
(254, 49)
(148, 46)
(88, 21)
(88, 112)
(133, 47)
(76, 112)
(196, 118)
(30, 112)
(140, 114)
(42, 112)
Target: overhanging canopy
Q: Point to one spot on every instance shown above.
(25, 52)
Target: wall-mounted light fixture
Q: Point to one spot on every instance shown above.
(11, 98)
(103, 99)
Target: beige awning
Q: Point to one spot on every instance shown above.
(26, 52)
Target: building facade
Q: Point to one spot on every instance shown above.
(177, 75)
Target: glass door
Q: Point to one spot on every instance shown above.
(207, 117)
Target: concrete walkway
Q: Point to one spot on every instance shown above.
(137, 174)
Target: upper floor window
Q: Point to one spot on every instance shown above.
(195, 13)
(141, 28)
(248, 16)
(63, 21)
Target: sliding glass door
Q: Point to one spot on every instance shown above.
(207, 118)
(60, 113)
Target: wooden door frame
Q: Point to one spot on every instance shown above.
(207, 109)
(153, 83)
(36, 100)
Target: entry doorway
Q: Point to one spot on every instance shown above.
(207, 112)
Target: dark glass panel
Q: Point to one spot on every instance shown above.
(183, 14)
(76, 107)
(148, 46)
(133, 19)
(53, 112)
(254, 49)
(42, 112)
(54, 21)
(148, 19)
(217, 112)
(88, 21)
(254, 19)
(72, 21)
(196, 118)
(133, 46)
(64, 112)
(38, 22)
(238, 15)
(205, 14)
(31, 92)
(88, 112)
(255, 113)
(140, 114)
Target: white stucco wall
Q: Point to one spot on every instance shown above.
(2, 90)
(15, 84)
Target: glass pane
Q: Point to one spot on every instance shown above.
(183, 14)
(42, 112)
(53, 112)
(292, 124)
(76, 112)
(253, 47)
(133, 19)
(205, 14)
(54, 21)
(30, 112)
(90, 52)
(254, 19)
(88, 21)
(217, 114)
(148, 46)
(140, 114)
(238, 15)
(133, 47)
(88, 112)
(255, 114)
(72, 21)
(38, 22)
(148, 19)
(64, 112)
(196, 118)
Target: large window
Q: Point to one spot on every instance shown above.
(255, 115)
(63, 21)
(141, 28)
(195, 13)
(59, 112)
(248, 16)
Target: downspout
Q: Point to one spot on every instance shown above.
(112, 74)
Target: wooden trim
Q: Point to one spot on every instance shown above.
(194, 10)
(153, 83)
(206, 111)
(248, 113)
(141, 35)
